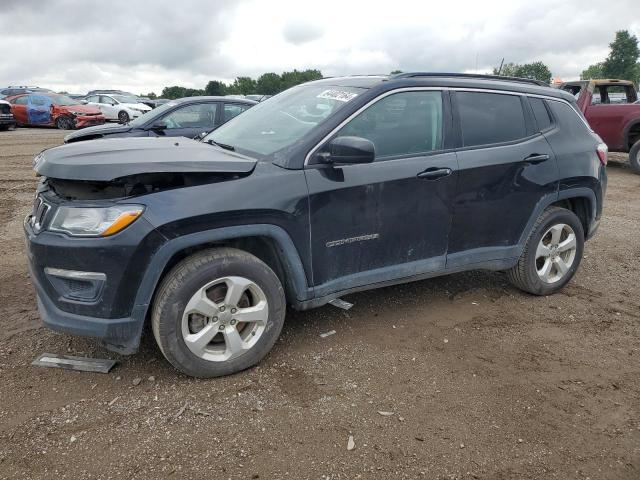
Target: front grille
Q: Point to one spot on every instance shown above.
(40, 211)
(6, 109)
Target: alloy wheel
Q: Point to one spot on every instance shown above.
(225, 318)
(556, 253)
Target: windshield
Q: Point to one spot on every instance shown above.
(63, 100)
(282, 120)
(151, 114)
(126, 99)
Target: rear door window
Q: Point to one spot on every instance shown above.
(540, 113)
(489, 118)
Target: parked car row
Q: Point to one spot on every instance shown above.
(184, 117)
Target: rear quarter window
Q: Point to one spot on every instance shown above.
(571, 124)
(541, 114)
(490, 118)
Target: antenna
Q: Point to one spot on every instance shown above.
(501, 63)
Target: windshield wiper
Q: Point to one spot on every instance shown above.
(221, 145)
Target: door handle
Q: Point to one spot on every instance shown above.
(434, 173)
(536, 158)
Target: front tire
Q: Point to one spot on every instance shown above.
(634, 157)
(123, 117)
(64, 123)
(551, 255)
(218, 312)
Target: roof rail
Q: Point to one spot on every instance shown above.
(471, 75)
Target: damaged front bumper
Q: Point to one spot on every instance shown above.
(82, 121)
(88, 286)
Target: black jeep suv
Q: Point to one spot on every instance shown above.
(331, 187)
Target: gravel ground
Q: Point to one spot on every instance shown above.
(452, 378)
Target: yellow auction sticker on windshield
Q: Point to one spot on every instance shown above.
(339, 95)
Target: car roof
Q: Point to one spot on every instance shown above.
(213, 98)
(452, 80)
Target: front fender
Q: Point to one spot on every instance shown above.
(290, 257)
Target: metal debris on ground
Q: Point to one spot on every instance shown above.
(385, 414)
(350, 443)
(328, 334)
(338, 302)
(70, 362)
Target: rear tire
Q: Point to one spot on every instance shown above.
(218, 312)
(552, 253)
(123, 117)
(634, 157)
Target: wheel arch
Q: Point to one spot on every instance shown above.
(269, 243)
(631, 133)
(580, 200)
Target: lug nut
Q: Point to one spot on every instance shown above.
(222, 308)
(215, 319)
(221, 327)
(233, 321)
(233, 310)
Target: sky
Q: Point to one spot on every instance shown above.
(143, 46)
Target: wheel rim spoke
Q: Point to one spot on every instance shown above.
(556, 234)
(258, 314)
(545, 271)
(568, 244)
(236, 286)
(235, 345)
(542, 251)
(198, 341)
(561, 266)
(200, 303)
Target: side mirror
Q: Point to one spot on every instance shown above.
(350, 150)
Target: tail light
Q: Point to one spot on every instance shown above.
(602, 150)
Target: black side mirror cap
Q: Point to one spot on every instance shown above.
(349, 150)
(158, 126)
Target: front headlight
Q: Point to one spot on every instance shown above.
(95, 222)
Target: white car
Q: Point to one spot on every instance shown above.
(118, 107)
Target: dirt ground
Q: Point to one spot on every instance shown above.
(474, 378)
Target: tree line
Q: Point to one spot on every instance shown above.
(266, 84)
(621, 63)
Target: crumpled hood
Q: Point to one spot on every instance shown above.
(105, 160)
(98, 130)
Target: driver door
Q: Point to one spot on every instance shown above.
(388, 219)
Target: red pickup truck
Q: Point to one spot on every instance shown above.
(613, 111)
